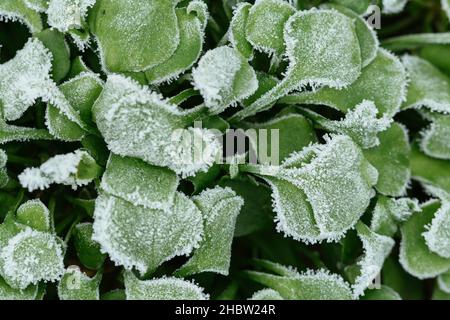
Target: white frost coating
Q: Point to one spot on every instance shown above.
(394, 6)
(437, 236)
(141, 238)
(61, 169)
(266, 294)
(16, 10)
(37, 5)
(376, 249)
(435, 140)
(216, 76)
(68, 14)
(30, 257)
(26, 77)
(162, 289)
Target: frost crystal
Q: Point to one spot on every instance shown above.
(37, 5)
(17, 10)
(162, 289)
(266, 294)
(65, 15)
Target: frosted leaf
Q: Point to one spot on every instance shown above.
(376, 249)
(65, 15)
(236, 33)
(311, 285)
(414, 41)
(17, 10)
(220, 208)
(428, 87)
(435, 140)
(81, 92)
(76, 285)
(9, 293)
(162, 289)
(430, 170)
(134, 236)
(382, 293)
(295, 133)
(388, 213)
(391, 158)
(265, 25)
(133, 35)
(224, 77)
(3, 172)
(415, 256)
(31, 256)
(446, 7)
(312, 197)
(443, 281)
(137, 122)
(35, 214)
(384, 82)
(358, 6)
(3, 158)
(323, 50)
(37, 5)
(266, 294)
(72, 169)
(393, 6)
(367, 37)
(361, 124)
(187, 53)
(10, 133)
(139, 183)
(88, 250)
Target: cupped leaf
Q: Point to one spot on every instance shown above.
(220, 208)
(142, 238)
(134, 36)
(311, 285)
(237, 31)
(17, 10)
(137, 122)
(308, 34)
(140, 183)
(428, 87)
(415, 256)
(72, 169)
(383, 81)
(224, 77)
(413, 41)
(435, 141)
(391, 158)
(35, 214)
(9, 293)
(321, 192)
(265, 25)
(187, 53)
(31, 256)
(393, 6)
(266, 294)
(382, 293)
(376, 249)
(76, 285)
(88, 250)
(162, 289)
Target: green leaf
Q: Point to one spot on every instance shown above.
(382, 293)
(65, 15)
(376, 249)
(358, 6)
(78, 66)
(266, 82)
(9, 133)
(440, 295)
(312, 197)
(187, 53)
(383, 81)
(415, 256)
(428, 87)
(307, 34)
(162, 289)
(35, 214)
(311, 285)
(265, 25)
(9, 293)
(140, 183)
(237, 31)
(436, 54)
(413, 41)
(443, 281)
(446, 7)
(266, 294)
(31, 256)
(75, 285)
(134, 236)
(393, 6)
(17, 10)
(3, 172)
(224, 77)
(220, 208)
(134, 36)
(392, 160)
(127, 114)
(388, 213)
(88, 251)
(72, 169)
(435, 140)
